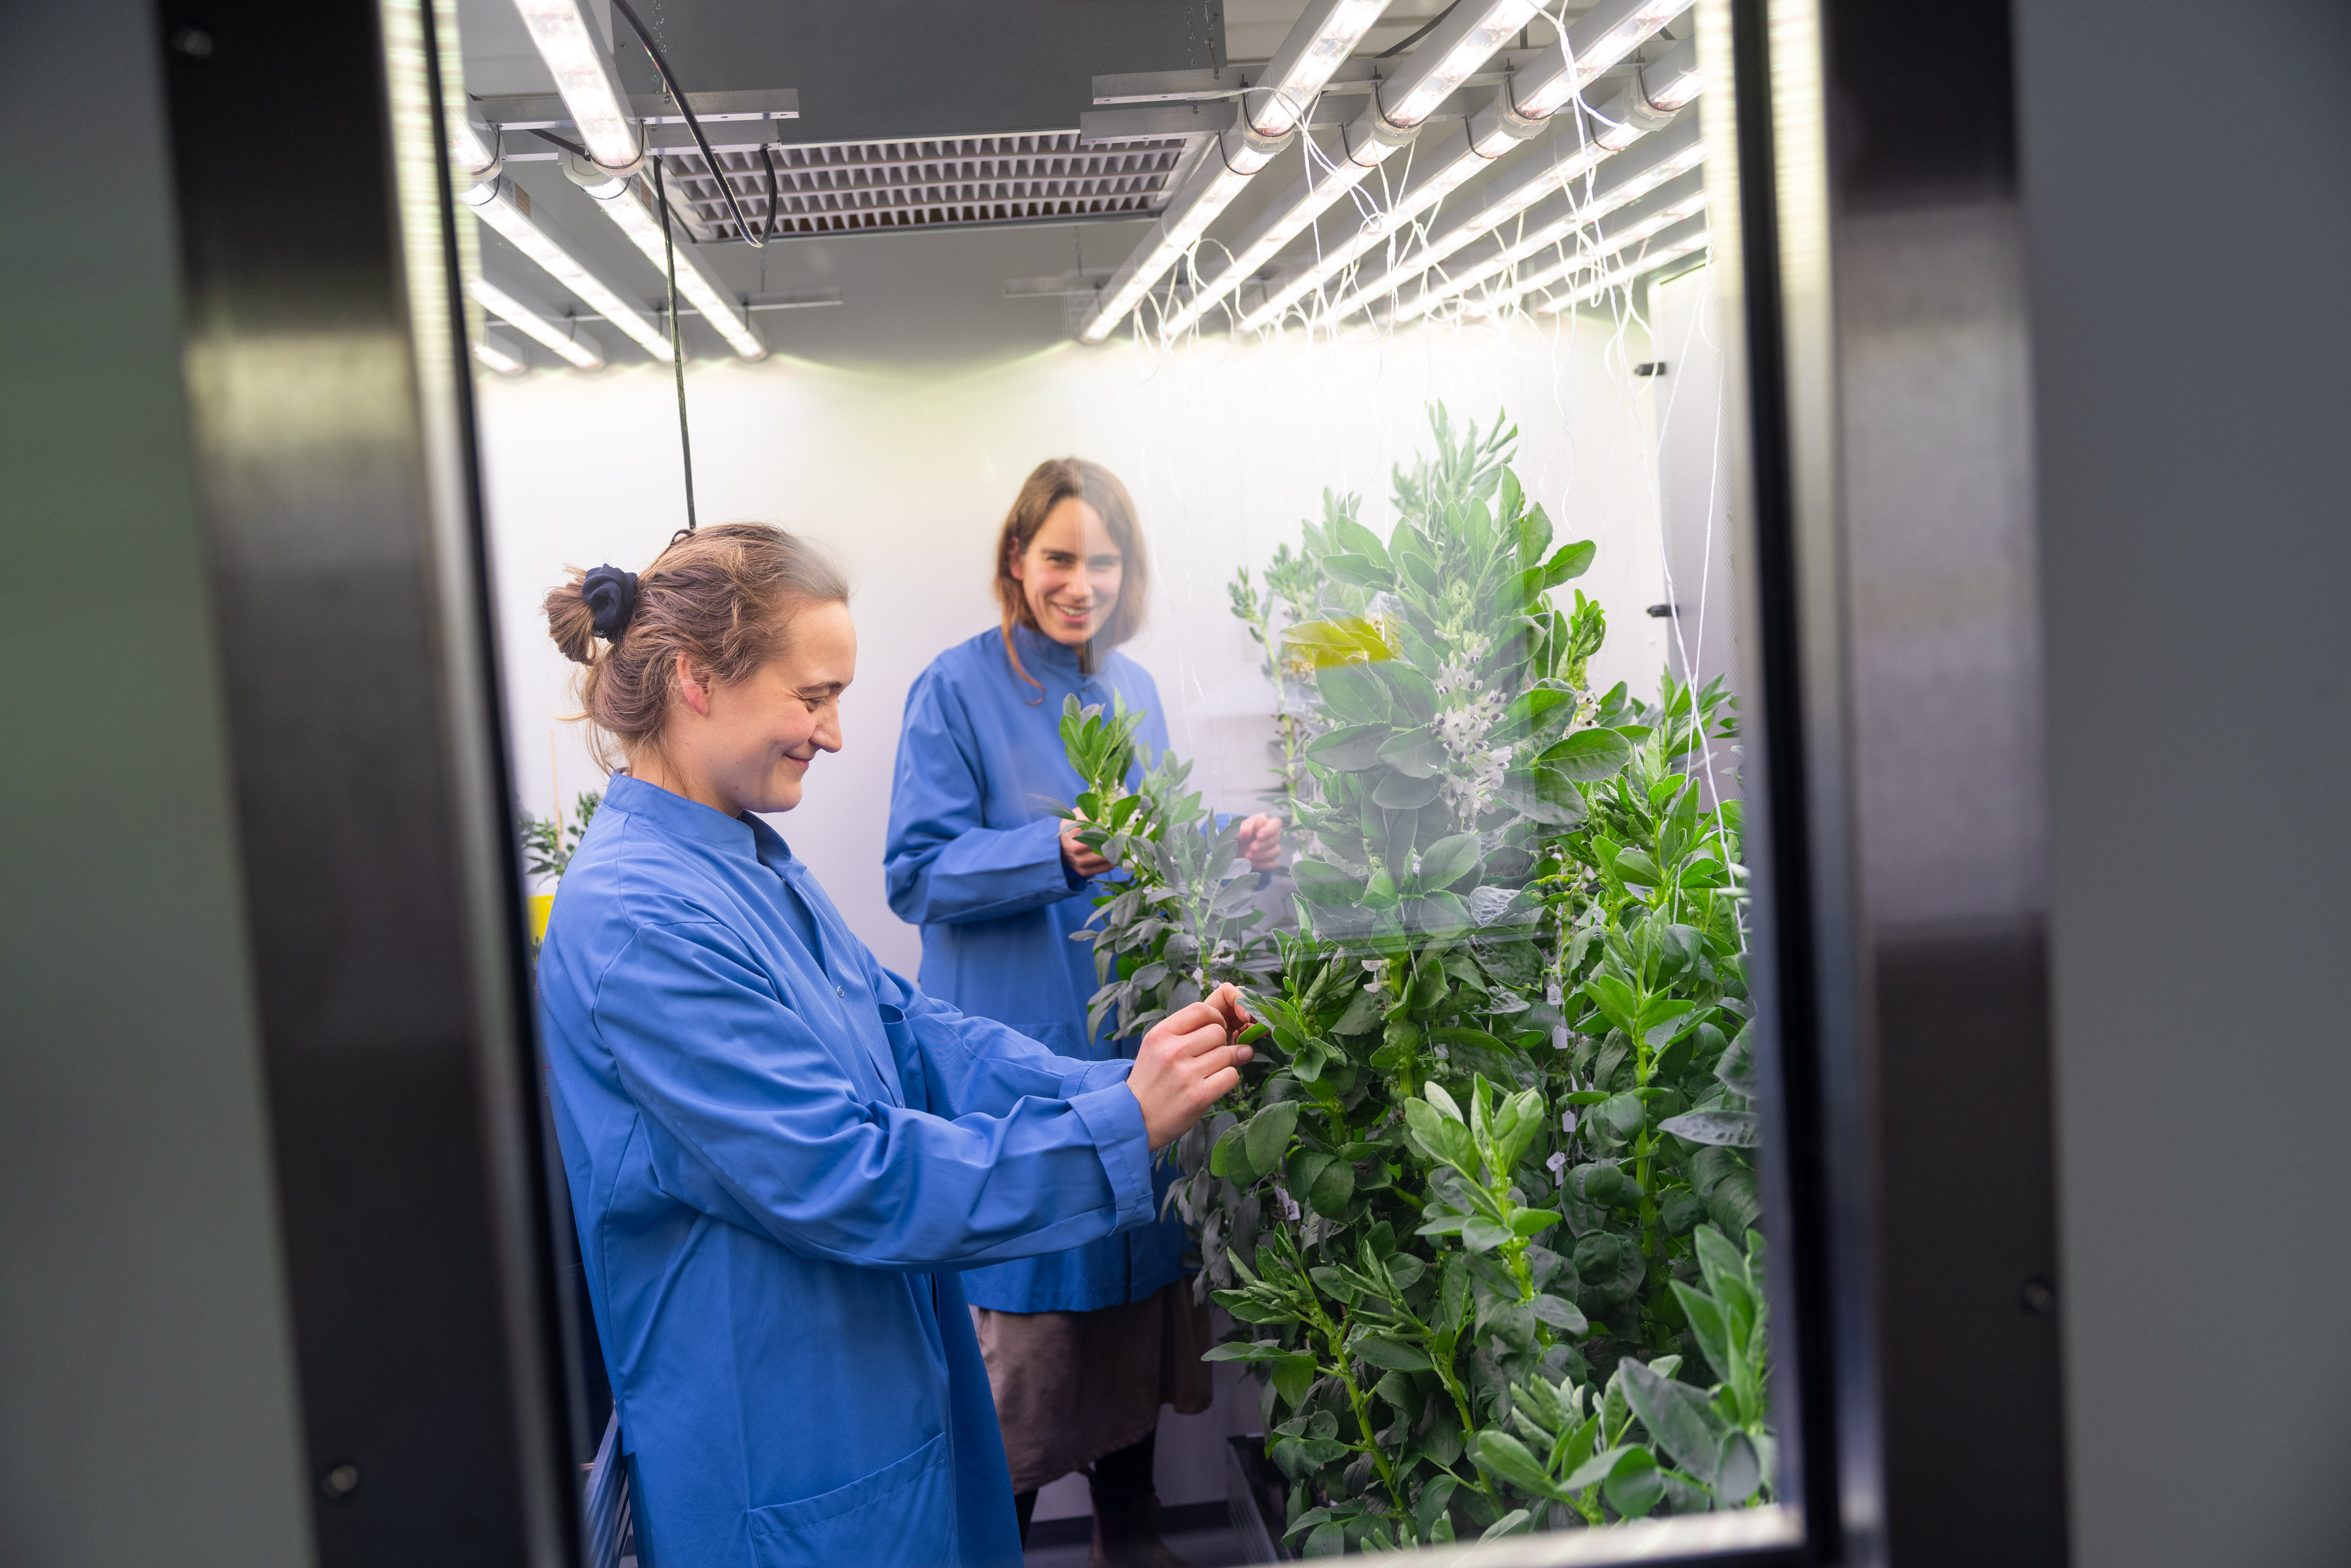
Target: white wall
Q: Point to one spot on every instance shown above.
(907, 478)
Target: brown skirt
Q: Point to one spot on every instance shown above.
(1072, 1386)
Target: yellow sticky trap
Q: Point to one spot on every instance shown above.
(542, 905)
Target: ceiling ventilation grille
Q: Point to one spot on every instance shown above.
(940, 182)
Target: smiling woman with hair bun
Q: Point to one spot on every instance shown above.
(781, 1155)
(1084, 1346)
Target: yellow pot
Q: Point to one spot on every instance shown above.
(542, 905)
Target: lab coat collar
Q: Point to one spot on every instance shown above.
(1038, 651)
(676, 814)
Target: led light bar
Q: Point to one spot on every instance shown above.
(1623, 122)
(497, 356)
(1319, 43)
(472, 149)
(1303, 65)
(572, 343)
(1682, 208)
(1675, 171)
(1595, 42)
(1686, 239)
(630, 205)
(499, 204)
(584, 76)
(1443, 61)
(1450, 56)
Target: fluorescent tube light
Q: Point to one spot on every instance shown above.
(472, 149)
(1626, 119)
(506, 208)
(630, 207)
(1433, 72)
(497, 356)
(1444, 60)
(1535, 241)
(582, 67)
(1318, 43)
(1297, 70)
(1666, 248)
(573, 343)
(1593, 43)
(1608, 246)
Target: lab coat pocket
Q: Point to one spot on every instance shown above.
(902, 1513)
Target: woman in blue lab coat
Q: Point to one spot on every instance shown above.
(781, 1154)
(1083, 1346)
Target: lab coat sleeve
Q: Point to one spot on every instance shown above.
(977, 1064)
(752, 1119)
(942, 864)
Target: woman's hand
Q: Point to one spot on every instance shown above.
(1188, 1064)
(1082, 860)
(1261, 842)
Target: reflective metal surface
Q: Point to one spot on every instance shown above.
(332, 431)
(1895, 533)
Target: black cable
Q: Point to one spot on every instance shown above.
(572, 147)
(775, 195)
(677, 95)
(1428, 28)
(676, 344)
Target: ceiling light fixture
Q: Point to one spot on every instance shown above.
(630, 205)
(572, 344)
(497, 356)
(1427, 76)
(506, 208)
(584, 75)
(1667, 248)
(1320, 41)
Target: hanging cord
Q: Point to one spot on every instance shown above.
(677, 96)
(676, 344)
(775, 198)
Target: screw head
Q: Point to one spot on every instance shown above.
(2038, 1297)
(341, 1481)
(192, 42)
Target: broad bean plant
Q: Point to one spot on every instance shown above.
(1484, 1207)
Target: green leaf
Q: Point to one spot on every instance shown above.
(1353, 538)
(1738, 1470)
(1350, 749)
(1401, 792)
(1394, 1354)
(1415, 694)
(1268, 1136)
(1228, 1150)
(1682, 1420)
(1447, 861)
(1624, 1113)
(1504, 1457)
(1331, 1188)
(1634, 867)
(1561, 1315)
(1355, 694)
(1568, 563)
(1441, 1138)
(1533, 1222)
(1358, 570)
(1319, 882)
(1414, 753)
(1594, 1470)
(1636, 1485)
(1294, 1378)
(1431, 1508)
(1242, 1350)
(1589, 755)
(1729, 1129)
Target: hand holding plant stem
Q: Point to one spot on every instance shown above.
(1188, 1064)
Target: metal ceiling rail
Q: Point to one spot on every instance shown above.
(1319, 44)
(1627, 117)
(1653, 161)
(1658, 92)
(1547, 80)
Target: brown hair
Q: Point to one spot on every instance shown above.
(723, 597)
(1048, 485)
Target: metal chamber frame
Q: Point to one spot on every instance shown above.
(1876, 265)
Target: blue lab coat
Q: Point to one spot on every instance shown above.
(779, 1152)
(974, 858)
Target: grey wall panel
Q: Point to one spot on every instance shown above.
(2187, 181)
(147, 1404)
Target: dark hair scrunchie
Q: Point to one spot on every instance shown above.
(611, 593)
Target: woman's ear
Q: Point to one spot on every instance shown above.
(1016, 564)
(693, 686)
